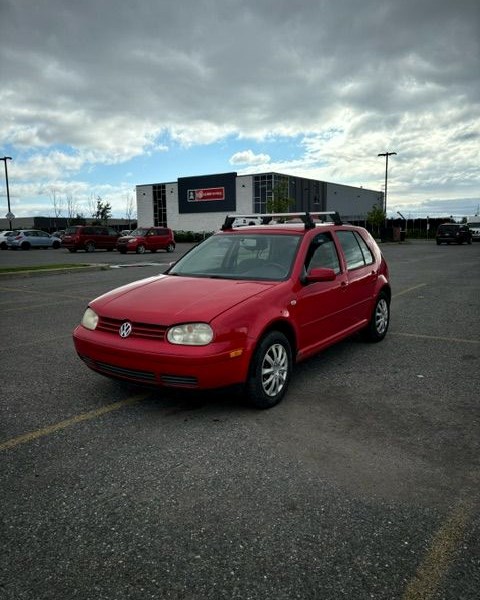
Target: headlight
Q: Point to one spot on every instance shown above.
(90, 319)
(190, 334)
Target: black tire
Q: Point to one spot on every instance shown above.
(56, 245)
(140, 249)
(377, 329)
(122, 250)
(270, 371)
(25, 246)
(170, 247)
(89, 247)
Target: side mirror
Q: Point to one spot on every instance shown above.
(320, 274)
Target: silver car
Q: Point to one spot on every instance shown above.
(32, 238)
(4, 235)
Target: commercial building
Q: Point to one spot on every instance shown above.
(201, 203)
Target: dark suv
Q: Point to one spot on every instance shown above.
(89, 238)
(147, 238)
(453, 233)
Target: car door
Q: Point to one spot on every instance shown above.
(158, 239)
(361, 277)
(34, 238)
(320, 306)
(43, 239)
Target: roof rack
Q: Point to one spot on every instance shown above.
(306, 217)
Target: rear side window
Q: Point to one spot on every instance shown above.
(357, 253)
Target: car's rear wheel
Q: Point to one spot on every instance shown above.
(25, 246)
(378, 326)
(270, 370)
(140, 249)
(170, 248)
(89, 247)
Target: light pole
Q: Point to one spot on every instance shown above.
(386, 155)
(9, 214)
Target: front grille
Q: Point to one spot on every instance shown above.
(122, 372)
(141, 330)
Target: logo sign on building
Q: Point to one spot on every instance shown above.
(206, 194)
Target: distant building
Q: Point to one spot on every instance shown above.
(200, 203)
(51, 224)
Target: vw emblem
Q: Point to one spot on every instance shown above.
(125, 329)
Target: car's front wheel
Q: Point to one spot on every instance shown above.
(378, 326)
(170, 247)
(89, 247)
(140, 249)
(270, 370)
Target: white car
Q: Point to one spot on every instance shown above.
(4, 235)
(32, 238)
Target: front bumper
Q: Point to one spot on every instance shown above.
(162, 364)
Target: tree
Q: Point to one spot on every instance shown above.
(102, 212)
(280, 201)
(130, 212)
(57, 202)
(376, 217)
(71, 207)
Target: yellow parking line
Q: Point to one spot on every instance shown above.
(92, 414)
(436, 338)
(411, 289)
(433, 568)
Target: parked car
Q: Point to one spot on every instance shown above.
(3, 238)
(60, 233)
(242, 307)
(26, 239)
(147, 238)
(126, 232)
(474, 226)
(453, 233)
(90, 238)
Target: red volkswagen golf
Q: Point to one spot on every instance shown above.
(242, 307)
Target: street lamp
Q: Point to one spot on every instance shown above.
(9, 214)
(386, 155)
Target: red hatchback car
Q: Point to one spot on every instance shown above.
(242, 307)
(147, 238)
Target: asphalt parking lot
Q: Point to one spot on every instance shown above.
(363, 483)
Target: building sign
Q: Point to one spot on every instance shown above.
(206, 194)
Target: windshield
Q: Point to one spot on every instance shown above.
(474, 224)
(236, 256)
(141, 231)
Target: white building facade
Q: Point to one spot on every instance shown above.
(201, 203)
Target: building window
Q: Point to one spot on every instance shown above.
(159, 206)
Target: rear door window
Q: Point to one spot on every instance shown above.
(353, 250)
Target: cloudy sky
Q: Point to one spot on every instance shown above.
(98, 96)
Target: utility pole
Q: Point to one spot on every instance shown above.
(9, 214)
(386, 155)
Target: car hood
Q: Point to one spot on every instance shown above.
(169, 299)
